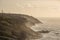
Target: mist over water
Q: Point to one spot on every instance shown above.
(49, 24)
(52, 23)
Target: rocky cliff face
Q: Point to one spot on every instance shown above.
(17, 27)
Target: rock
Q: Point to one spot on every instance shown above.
(17, 27)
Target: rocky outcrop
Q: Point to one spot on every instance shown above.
(17, 27)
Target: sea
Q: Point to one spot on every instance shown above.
(52, 25)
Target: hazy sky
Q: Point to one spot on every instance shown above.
(37, 8)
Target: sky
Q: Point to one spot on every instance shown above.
(36, 8)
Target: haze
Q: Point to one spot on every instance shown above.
(36, 8)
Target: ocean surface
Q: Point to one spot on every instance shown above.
(50, 28)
